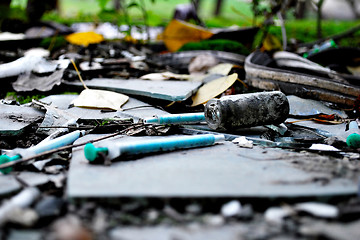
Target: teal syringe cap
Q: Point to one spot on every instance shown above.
(5, 159)
(353, 140)
(92, 153)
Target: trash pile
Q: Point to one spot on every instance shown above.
(126, 141)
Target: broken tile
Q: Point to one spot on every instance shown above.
(132, 109)
(33, 179)
(232, 231)
(307, 107)
(40, 164)
(14, 119)
(53, 117)
(186, 173)
(327, 130)
(165, 90)
(8, 184)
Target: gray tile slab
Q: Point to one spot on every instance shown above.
(231, 232)
(306, 107)
(165, 90)
(223, 170)
(34, 179)
(60, 101)
(330, 129)
(132, 109)
(13, 119)
(8, 184)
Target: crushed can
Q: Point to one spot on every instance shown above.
(246, 110)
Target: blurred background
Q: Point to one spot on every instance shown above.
(301, 16)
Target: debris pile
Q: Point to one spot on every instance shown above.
(127, 141)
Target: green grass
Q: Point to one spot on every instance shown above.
(234, 12)
(305, 31)
(23, 98)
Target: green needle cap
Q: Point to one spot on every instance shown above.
(91, 152)
(5, 159)
(353, 140)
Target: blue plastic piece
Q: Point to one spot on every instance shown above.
(177, 118)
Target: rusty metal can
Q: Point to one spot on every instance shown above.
(246, 110)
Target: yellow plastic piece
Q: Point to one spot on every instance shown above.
(177, 33)
(84, 38)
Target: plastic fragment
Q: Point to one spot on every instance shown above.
(231, 208)
(243, 142)
(323, 147)
(318, 209)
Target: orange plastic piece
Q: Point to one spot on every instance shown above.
(177, 33)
